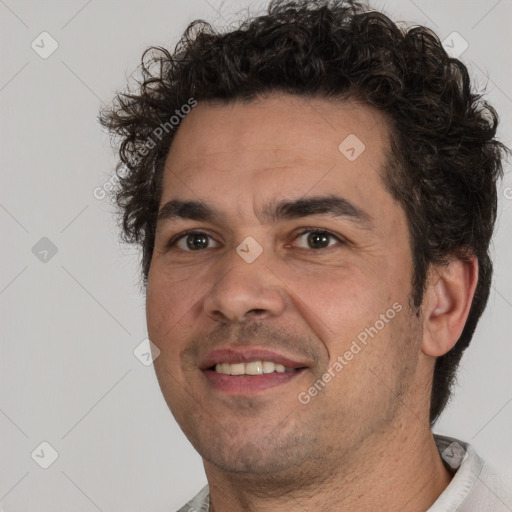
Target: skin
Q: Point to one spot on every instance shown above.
(364, 441)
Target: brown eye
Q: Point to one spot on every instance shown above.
(192, 241)
(317, 239)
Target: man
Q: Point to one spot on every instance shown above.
(314, 194)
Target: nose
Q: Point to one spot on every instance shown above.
(243, 290)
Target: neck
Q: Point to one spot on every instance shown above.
(401, 470)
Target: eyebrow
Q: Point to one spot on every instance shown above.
(331, 205)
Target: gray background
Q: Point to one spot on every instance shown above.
(70, 323)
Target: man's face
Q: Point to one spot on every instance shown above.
(326, 284)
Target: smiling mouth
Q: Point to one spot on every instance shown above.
(248, 370)
(251, 368)
(250, 378)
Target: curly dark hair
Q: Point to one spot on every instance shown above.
(443, 163)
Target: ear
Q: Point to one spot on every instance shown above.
(446, 304)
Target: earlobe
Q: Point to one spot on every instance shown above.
(447, 301)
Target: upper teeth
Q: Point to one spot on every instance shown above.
(252, 368)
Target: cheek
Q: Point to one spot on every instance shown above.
(170, 298)
(344, 300)
(353, 311)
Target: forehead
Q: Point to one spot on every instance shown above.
(282, 146)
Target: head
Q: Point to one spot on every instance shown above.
(254, 111)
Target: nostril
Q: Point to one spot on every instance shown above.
(258, 311)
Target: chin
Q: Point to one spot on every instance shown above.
(269, 455)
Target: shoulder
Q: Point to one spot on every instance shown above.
(477, 485)
(492, 490)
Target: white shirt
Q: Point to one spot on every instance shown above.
(475, 486)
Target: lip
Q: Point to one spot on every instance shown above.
(246, 355)
(248, 384)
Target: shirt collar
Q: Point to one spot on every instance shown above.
(462, 459)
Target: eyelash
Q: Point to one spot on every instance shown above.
(172, 243)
